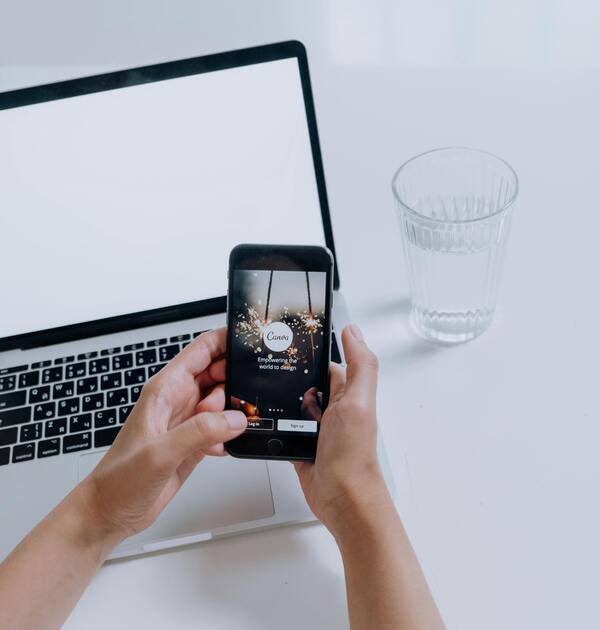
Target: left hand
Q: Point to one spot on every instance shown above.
(177, 420)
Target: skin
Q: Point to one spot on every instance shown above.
(346, 491)
(311, 404)
(178, 420)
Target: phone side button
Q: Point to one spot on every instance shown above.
(274, 447)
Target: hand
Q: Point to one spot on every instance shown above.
(177, 420)
(311, 404)
(346, 473)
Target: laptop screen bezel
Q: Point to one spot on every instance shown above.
(150, 74)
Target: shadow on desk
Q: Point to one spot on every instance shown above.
(400, 306)
(391, 337)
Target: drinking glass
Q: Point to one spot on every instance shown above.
(455, 209)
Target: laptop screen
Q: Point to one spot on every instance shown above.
(130, 199)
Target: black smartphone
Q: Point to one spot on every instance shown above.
(278, 347)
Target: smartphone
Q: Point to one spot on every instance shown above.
(278, 348)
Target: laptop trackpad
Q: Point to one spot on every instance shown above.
(221, 491)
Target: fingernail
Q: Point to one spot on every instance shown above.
(236, 420)
(355, 332)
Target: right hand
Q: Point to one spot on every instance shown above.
(345, 476)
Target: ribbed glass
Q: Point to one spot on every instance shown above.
(455, 210)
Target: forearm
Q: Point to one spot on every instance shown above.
(45, 575)
(385, 585)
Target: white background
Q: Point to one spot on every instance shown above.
(494, 444)
(132, 195)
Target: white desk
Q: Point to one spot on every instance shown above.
(494, 444)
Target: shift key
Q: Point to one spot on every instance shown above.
(10, 417)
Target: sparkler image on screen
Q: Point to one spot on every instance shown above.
(278, 347)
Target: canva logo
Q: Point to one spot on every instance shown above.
(278, 336)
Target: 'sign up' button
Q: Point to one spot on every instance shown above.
(305, 426)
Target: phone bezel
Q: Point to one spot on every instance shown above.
(286, 257)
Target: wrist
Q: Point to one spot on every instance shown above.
(89, 528)
(358, 509)
(365, 524)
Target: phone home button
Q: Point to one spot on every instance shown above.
(275, 447)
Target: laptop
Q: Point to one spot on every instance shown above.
(121, 197)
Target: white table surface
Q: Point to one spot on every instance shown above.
(494, 444)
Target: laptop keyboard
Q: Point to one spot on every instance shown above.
(79, 402)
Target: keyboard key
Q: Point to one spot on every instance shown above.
(40, 364)
(13, 370)
(39, 394)
(80, 423)
(31, 432)
(109, 351)
(92, 402)
(23, 452)
(184, 344)
(133, 346)
(76, 370)
(197, 334)
(122, 361)
(99, 365)
(7, 383)
(105, 437)
(63, 390)
(168, 352)
(116, 397)
(87, 355)
(156, 342)
(62, 360)
(10, 417)
(68, 406)
(178, 338)
(55, 427)
(77, 442)
(47, 448)
(105, 418)
(29, 379)
(44, 411)
(153, 369)
(8, 436)
(51, 375)
(124, 413)
(13, 399)
(135, 392)
(4, 456)
(87, 385)
(110, 381)
(133, 377)
(143, 357)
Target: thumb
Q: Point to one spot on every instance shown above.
(201, 432)
(362, 365)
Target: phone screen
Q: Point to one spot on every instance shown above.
(279, 349)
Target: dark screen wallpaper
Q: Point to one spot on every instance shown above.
(278, 345)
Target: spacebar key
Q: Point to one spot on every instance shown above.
(105, 437)
(10, 417)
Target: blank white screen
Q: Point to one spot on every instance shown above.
(131, 199)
